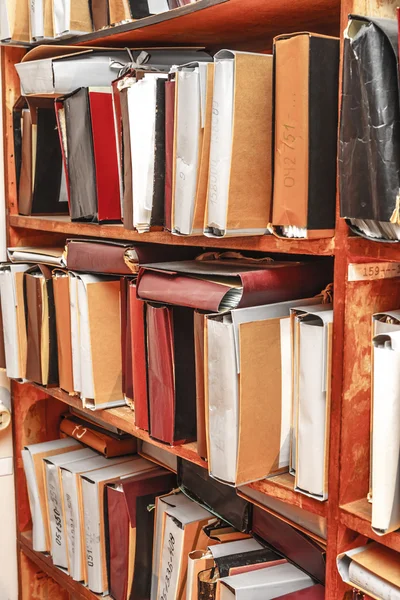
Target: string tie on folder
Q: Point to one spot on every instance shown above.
(327, 294)
(139, 63)
(395, 218)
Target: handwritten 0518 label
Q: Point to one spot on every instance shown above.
(371, 271)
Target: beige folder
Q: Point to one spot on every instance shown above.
(240, 173)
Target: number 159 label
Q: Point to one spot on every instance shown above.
(371, 271)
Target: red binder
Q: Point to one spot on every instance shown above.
(171, 373)
(139, 358)
(105, 156)
(207, 284)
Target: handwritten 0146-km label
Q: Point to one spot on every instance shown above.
(371, 271)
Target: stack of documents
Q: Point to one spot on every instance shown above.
(93, 494)
(248, 377)
(95, 325)
(63, 69)
(372, 569)
(32, 457)
(14, 21)
(193, 110)
(41, 359)
(52, 466)
(73, 509)
(241, 145)
(305, 80)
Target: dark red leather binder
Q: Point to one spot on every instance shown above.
(118, 257)
(105, 156)
(192, 283)
(171, 373)
(126, 509)
(294, 545)
(315, 592)
(139, 358)
(169, 149)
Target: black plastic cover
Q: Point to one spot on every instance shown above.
(220, 499)
(369, 147)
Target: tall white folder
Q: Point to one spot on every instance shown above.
(249, 391)
(72, 502)
(240, 170)
(193, 109)
(263, 584)
(13, 313)
(382, 322)
(386, 433)
(142, 105)
(32, 458)
(52, 465)
(313, 360)
(95, 320)
(221, 144)
(93, 510)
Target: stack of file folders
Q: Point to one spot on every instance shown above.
(203, 140)
(91, 514)
(180, 341)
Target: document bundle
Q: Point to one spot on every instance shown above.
(175, 139)
(306, 81)
(373, 569)
(249, 370)
(369, 188)
(176, 341)
(95, 516)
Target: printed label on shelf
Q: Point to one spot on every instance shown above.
(371, 271)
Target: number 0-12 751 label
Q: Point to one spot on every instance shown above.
(371, 271)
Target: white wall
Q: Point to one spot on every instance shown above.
(8, 551)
